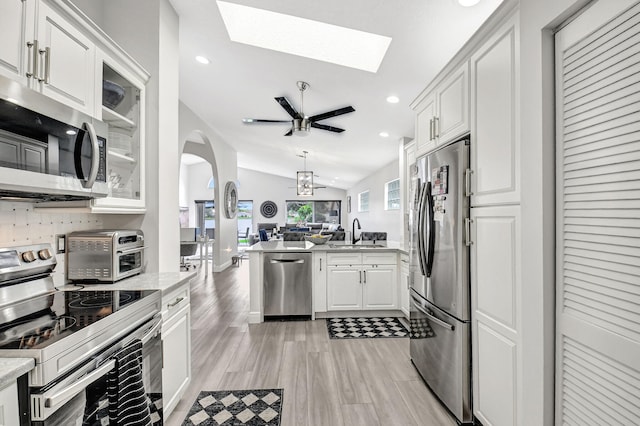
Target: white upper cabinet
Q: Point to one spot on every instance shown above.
(122, 107)
(443, 114)
(66, 58)
(495, 153)
(16, 27)
(42, 50)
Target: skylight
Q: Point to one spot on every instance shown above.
(304, 37)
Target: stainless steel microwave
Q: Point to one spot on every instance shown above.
(49, 151)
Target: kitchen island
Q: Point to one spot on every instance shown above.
(347, 279)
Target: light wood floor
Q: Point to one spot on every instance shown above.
(326, 382)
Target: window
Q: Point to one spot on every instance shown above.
(245, 215)
(313, 211)
(363, 201)
(392, 195)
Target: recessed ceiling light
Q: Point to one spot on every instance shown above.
(304, 37)
(384, 134)
(468, 3)
(202, 60)
(393, 99)
(71, 132)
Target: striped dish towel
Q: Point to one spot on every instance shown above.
(128, 404)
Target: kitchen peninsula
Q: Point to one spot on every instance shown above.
(345, 277)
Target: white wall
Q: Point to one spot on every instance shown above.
(197, 176)
(223, 160)
(377, 219)
(261, 187)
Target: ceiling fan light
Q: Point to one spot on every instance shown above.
(301, 126)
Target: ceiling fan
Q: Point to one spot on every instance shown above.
(301, 124)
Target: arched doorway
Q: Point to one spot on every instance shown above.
(198, 198)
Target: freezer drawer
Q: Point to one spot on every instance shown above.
(287, 284)
(441, 352)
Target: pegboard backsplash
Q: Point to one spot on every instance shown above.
(20, 224)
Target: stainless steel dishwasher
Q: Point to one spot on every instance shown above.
(287, 285)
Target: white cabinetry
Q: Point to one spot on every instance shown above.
(125, 144)
(358, 281)
(9, 413)
(66, 60)
(495, 153)
(444, 113)
(403, 285)
(43, 50)
(176, 346)
(17, 28)
(495, 301)
(320, 281)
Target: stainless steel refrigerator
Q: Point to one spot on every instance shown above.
(440, 344)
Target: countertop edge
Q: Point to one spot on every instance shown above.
(12, 368)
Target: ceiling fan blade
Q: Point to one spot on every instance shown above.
(284, 103)
(329, 114)
(259, 120)
(289, 133)
(325, 127)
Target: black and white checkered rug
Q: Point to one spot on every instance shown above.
(236, 407)
(359, 328)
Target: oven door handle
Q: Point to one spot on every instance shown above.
(79, 385)
(131, 250)
(152, 333)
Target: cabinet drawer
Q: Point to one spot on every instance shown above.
(385, 258)
(344, 258)
(172, 302)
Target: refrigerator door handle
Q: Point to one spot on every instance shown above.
(421, 230)
(431, 234)
(416, 304)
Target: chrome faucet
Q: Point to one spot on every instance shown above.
(353, 231)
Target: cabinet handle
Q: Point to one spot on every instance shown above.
(41, 76)
(436, 127)
(467, 182)
(30, 59)
(365, 276)
(467, 226)
(321, 264)
(47, 65)
(178, 300)
(360, 273)
(431, 129)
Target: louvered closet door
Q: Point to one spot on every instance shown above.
(598, 223)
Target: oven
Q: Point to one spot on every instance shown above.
(87, 344)
(104, 256)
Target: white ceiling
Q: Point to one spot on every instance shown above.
(241, 81)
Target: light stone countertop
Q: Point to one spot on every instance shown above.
(331, 246)
(12, 368)
(163, 281)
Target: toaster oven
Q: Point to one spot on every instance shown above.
(104, 255)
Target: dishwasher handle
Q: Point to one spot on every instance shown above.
(286, 260)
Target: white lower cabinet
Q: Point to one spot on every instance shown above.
(320, 281)
(403, 285)
(176, 347)
(9, 413)
(354, 283)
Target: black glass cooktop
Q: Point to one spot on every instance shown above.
(40, 321)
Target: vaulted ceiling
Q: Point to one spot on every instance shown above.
(242, 80)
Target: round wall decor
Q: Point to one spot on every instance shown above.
(230, 200)
(268, 209)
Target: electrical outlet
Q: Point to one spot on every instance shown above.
(60, 243)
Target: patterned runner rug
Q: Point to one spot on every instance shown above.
(236, 407)
(361, 328)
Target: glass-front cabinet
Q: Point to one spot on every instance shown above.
(122, 108)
